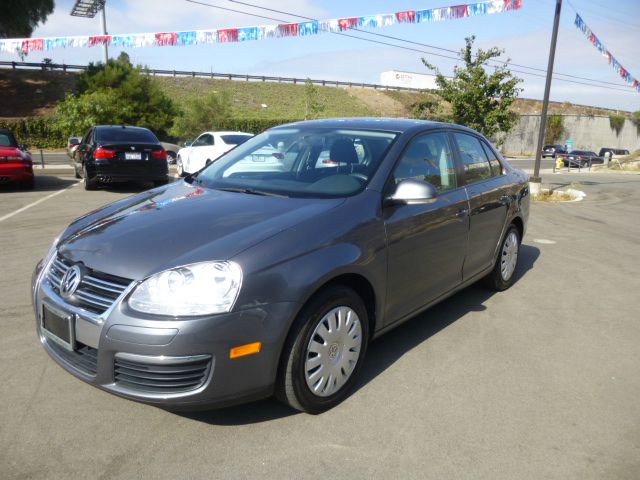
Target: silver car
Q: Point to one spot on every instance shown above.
(241, 282)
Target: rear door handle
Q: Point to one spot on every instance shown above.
(463, 212)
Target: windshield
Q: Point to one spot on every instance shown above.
(301, 162)
(235, 139)
(7, 140)
(119, 134)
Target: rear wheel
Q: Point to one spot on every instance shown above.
(89, 183)
(180, 167)
(501, 277)
(324, 351)
(28, 184)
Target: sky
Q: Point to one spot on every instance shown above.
(524, 35)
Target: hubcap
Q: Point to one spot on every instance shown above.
(333, 351)
(509, 256)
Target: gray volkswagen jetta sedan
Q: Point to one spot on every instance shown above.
(271, 270)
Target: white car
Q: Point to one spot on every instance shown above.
(206, 148)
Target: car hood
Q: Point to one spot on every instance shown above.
(180, 224)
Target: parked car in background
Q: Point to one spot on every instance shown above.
(15, 162)
(72, 144)
(207, 148)
(238, 283)
(581, 158)
(172, 151)
(118, 153)
(615, 152)
(552, 150)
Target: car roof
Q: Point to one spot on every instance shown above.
(126, 127)
(227, 133)
(399, 125)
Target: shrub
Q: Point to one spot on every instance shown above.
(555, 129)
(616, 122)
(36, 132)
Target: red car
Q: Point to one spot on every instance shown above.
(15, 162)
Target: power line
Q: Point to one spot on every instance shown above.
(456, 59)
(428, 45)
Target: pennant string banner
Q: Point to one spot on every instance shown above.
(25, 46)
(623, 72)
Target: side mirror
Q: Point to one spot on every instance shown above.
(412, 192)
(187, 143)
(23, 147)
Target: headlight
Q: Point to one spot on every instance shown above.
(197, 289)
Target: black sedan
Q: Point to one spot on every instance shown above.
(581, 158)
(254, 277)
(109, 154)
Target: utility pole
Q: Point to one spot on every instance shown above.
(545, 102)
(103, 23)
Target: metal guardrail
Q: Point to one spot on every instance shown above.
(227, 76)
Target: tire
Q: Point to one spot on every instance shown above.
(180, 168)
(76, 173)
(28, 184)
(207, 163)
(89, 183)
(502, 276)
(340, 308)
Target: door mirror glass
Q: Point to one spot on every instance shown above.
(187, 143)
(411, 191)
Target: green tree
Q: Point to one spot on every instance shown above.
(19, 18)
(479, 100)
(201, 114)
(555, 129)
(116, 93)
(313, 103)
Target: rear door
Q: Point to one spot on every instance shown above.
(488, 191)
(426, 243)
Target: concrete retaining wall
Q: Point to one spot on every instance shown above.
(587, 132)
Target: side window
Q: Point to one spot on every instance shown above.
(476, 164)
(496, 166)
(209, 140)
(87, 137)
(428, 158)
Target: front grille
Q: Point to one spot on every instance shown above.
(84, 358)
(164, 377)
(96, 292)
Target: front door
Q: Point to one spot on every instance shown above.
(426, 243)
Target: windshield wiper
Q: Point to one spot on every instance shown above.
(251, 191)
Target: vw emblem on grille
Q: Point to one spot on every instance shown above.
(70, 281)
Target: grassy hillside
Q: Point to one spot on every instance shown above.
(34, 93)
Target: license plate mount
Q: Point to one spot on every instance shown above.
(59, 327)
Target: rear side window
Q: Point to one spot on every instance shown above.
(7, 140)
(496, 166)
(119, 134)
(428, 158)
(235, 139)
(476, 163)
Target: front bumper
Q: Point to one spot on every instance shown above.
(169, 363)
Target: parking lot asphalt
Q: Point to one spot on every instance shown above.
(540, 381)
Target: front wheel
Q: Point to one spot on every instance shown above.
(324, 351)
(501, 277)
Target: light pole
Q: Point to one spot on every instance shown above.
(535, 180)
(88, 9)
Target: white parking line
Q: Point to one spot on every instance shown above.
(26, 207)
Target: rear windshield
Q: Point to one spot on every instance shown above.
(235, 139)
(7, 140)
(119, 134)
